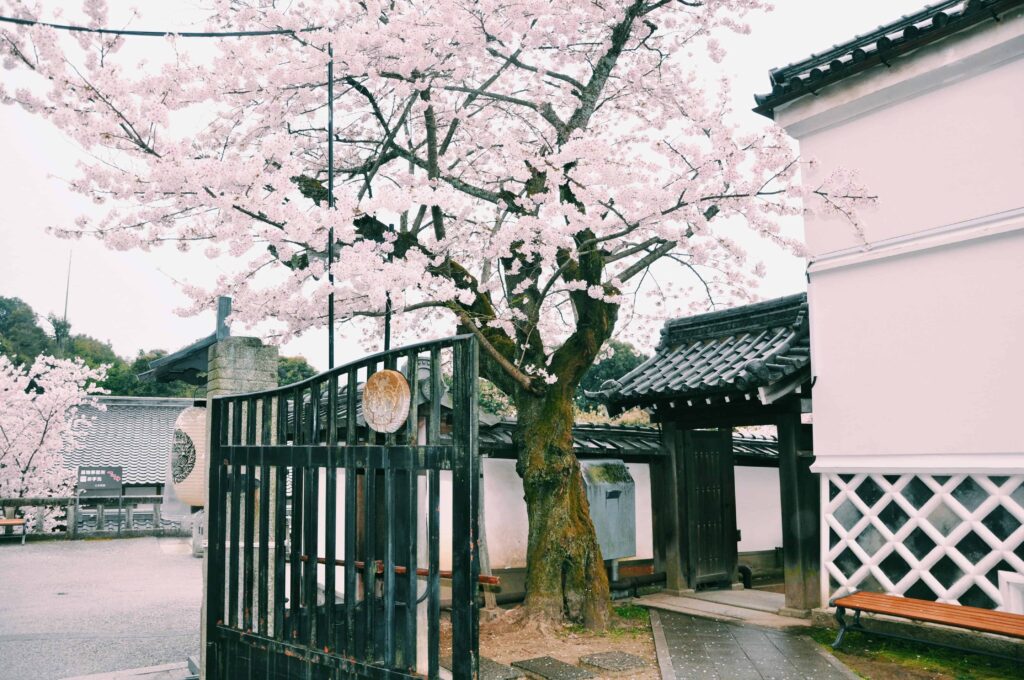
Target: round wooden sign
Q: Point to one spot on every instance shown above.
(386, 401)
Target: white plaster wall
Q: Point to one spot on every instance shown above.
(917, 343)
(758, 513)
(758, 508)
(506, 519)
(922, 353)
(938, 137)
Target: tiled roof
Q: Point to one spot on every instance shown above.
(620, 441)
(133, 432)
(877, 48)
(720, 353)
(588, 440)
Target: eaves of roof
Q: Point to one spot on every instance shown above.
(732, 352)
(877, 48)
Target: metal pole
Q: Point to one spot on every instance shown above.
(330, 203)
(387, 323)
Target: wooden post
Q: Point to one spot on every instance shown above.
(800, 520)
(156, 515)
(666, 509)
(72, 516)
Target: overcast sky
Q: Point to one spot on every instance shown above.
(129, 298)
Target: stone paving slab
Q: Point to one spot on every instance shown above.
(490, 670)
(613, 662)
(547, 668)
(170, 671)
(718, 611)
(717, 650)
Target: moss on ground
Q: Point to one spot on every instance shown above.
(860, 651)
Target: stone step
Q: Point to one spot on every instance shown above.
(612, 662)
(490, 670)
(547, 668)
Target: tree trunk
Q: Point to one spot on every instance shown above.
(565, 574)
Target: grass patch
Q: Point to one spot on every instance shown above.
(863, 653)
(628, 620)
(633, 612)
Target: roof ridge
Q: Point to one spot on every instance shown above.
(864, 51)
(789, 310)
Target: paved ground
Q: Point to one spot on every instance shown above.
(716, 650)
(75, 607)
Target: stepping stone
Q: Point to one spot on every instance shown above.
(546, 668)
(490, 670)
(613, 662)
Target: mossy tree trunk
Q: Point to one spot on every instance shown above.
(565, 573)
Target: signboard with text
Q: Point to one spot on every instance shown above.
(100, 480)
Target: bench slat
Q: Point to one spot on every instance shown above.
(16, 521)
(974, 618)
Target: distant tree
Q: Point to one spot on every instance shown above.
(22, 339)
(293, 369)
(123, 379)
(40, 419)
(624, 358)
(92, 351)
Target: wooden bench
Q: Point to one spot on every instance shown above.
(14, 522)
(959, 616)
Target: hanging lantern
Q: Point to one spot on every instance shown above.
(188, 456)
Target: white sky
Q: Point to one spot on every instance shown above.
(128, 298)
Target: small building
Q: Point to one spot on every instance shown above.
(916, 319)
(134, 433)
(710, 374)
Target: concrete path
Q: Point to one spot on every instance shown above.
(693, 647)
(752, 607)
(71, 608)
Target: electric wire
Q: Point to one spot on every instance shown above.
(157, 34)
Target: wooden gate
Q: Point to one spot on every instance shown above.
(710, 497)
(324, 557)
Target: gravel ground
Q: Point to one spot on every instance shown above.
(76, 607)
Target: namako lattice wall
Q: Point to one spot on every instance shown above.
(933, 537)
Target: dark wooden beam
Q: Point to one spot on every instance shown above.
(801, 519)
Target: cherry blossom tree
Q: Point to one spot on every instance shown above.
(511, 170)
(41, 417)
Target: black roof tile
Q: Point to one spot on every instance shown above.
(134, 432)
(877, 48)
(733, 351)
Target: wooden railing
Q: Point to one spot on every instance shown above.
(124, 511)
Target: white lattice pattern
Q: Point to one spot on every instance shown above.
(935, 537)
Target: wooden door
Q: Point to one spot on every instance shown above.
(710, 499)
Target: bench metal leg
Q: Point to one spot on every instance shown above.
(841, 620)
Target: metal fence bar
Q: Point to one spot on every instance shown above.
(465, 487)
(411, 519)
(249, 582)
(235, 515)
(434, 522)
(280, 519)
(298, 486)
(351, 496)
(311, 493)
(328, 641)
(263, 586)
(215, 536)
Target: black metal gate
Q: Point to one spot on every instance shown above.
(324, 554)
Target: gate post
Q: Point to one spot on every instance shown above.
(666, 511)
(236, 365)
(800, 520)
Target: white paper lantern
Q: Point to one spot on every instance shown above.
(188, 456)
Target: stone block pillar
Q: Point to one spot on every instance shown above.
(239, 365)
(236, 365)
